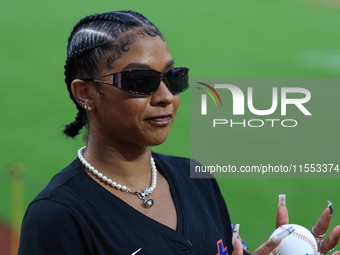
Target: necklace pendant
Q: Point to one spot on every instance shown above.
(148, 203)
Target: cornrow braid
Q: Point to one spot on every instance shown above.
(73, 128)
(69, 62)
(97, 37)
(95, 17)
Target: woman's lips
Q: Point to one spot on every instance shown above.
(160, 120)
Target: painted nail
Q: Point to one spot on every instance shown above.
(235, 233)
(278, 238)
(330, 206)
(282, 200)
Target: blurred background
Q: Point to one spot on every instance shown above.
(220, 38)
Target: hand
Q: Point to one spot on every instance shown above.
(319, 229)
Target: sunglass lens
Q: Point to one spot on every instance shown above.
(147, 81)
(178, 79)
(140, 81)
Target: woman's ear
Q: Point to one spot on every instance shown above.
(81, 91)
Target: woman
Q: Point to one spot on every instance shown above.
(118, 197)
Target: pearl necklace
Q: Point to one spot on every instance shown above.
(148, 203)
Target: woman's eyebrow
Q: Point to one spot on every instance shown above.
(146, 66)
(136, 65)
(170, 63)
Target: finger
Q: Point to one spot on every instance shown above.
(331, 241)
(238, 250)
(282, 217)
(321, 226)
(235, 233)
(273, 242)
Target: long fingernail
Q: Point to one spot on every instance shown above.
(282, 200)
(330, 206)
(235, 233)
(278, 238)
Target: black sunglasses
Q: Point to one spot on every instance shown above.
(147, 81)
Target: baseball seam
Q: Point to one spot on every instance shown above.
(304, 238)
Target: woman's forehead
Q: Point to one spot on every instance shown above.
(146, 52)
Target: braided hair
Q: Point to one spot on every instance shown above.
(105, 34)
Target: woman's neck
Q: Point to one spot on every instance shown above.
(126, 165)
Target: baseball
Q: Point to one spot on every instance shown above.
(300, 242)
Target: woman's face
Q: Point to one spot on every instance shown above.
(140, 120)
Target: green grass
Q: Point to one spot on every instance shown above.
(220, 38)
